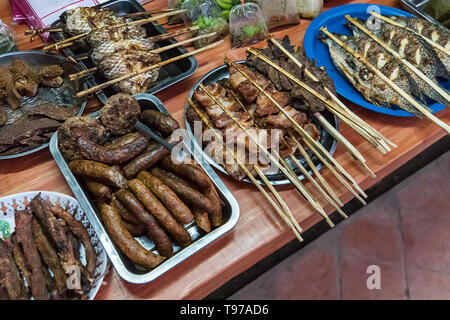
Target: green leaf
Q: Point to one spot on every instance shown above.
(250, 31)
(5, 229)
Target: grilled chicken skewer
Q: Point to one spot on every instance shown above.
(84, 73)
(152, 67)
(415, 104)
(296, 126)
(302, 169)
(287, 214)
(339, 108)
(278, 161)
(352, 150)
(417, 69)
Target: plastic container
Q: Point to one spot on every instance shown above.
(7, 39)
(279, 13)
(247, 25)
(309, 9)
(175, 4)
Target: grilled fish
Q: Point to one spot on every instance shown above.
(430, 31)
(124, 62)
(412, 48)
(109, 34)
(108, 48)
(84, 19)
(372, 87)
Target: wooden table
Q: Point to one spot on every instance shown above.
(259, 231)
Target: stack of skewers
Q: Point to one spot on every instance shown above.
(120, 49)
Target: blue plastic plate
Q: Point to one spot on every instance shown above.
(334, 20)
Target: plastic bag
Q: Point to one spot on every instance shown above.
(309, 9)
(247, 25)
(207, 15)
(175, 4)
(279, 13)
(7, 39)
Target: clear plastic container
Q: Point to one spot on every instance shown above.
(207, 15)
(279, 13)
(309, 9)
(247, 25)
(175, 4)
(7, 39)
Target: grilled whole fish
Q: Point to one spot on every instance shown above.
(372, 87)
(109, 34)
(108, 48)
(412, 48)
(124, 62)
(85, 19)
(430, 31)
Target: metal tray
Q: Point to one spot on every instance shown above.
(168, 75)
(62, 95)
(325, 139)
(416, 7)
(124, 267)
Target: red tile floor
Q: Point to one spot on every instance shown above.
(405, 232)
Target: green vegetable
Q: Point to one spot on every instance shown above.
(5, 229)
(226, 14)
(250, 31)
(225, 4)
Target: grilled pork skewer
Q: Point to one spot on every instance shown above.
(158, 65)
(296, 126)
(277, 160)
(340, 109)
(414, 103)
(287, 214)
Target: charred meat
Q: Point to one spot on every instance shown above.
(25, 79)
(51, 76)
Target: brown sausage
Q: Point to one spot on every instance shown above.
(182, 188)
(130, 247)
(136, 230)
(98, 190)
(148, 158)
(123, 212)
(202, 220)
(158, 235)
(98, 171)
(123, 140)
(216, 215)
(169, 198)
(160, 121)
(189, 172)
(152, 204)
(116, 155)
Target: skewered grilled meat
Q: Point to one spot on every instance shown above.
(50, 76)
(114, 34)
(412, 48)
(24, 78)
(373, 88)
(430, 31)
(84, 19)
(108, 48)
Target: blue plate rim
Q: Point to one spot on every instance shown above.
(311, 35)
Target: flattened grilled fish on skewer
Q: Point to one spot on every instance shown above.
(430, 31)
(412, 48)
(373, 88)
(84, 19)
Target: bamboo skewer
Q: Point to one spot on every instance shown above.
(413, 68)
(338, 103)
(410, 99)
(87, 72)
(296, 126)
(166, 36)
(149, 68)
(300, 166)
(283, 168)
(431, 42)
(145, 13)
(130, 23)
(284, 216)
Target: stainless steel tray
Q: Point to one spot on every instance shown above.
(168, 75)
(325, 138)
(416, 7)
(124, 266)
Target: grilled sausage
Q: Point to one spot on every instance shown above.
(148, 158)
(152, 204)
(190, 172)
(160, 121)
(115, 155)
(123, 212)
(98, 171)
(202, 220)
(122, 237)
(98, 190)
(182, 188)
(123, 140)
(136, 230)
(158, 235)
(178, 208)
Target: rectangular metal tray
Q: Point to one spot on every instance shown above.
(416, 8)
(124, 266)
(168, 75)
